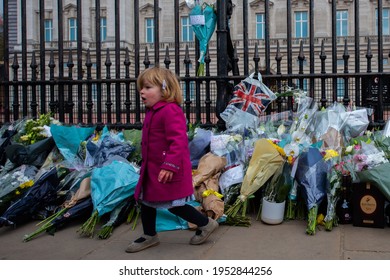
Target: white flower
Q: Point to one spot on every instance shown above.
(349, 149)
(375, 159)
(291, 149)
(237, 138)
(299, 137)
(368, 133)
(47, 130)
(57, 122)
(37, 128)
(281, 129)
(24, 137)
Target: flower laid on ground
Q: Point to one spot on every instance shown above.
(279, 185)
(77, 201)
(111, 184)
(333, 189)
(133, 136)
(292, 202)
(311, 175)
(368, 157)
(263, 164)
(206, 187)
(372, 162)
(119, 215)
(41, 194)
(329, 154)
(17, 179)
(37, 129)
(383, 143)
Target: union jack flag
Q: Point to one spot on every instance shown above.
(251, 98)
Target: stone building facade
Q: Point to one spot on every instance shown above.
(277, 23)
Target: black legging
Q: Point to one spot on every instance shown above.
(186, 212)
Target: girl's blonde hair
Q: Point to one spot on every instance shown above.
(165, 79)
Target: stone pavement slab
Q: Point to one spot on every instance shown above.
(287, 241)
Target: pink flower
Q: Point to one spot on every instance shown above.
(359, 158)
(340, 167)
(361, 166)
(357, 147)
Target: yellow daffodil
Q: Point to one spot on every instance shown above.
(27, 184)
(320, 220)
(330, 154)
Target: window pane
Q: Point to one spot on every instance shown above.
(260, 25)
(48, 30)
(385, 22)
(342, 23)
(187, 34)
(149, 30)
(103, 28)
(72, 29)
(301, 25)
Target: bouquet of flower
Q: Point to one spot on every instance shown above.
(311, 175)
(68, 140)
(280, 184)
(15, 183)
(107, 145)
(6, 135)
(297, 137)
(203, 20)
(199, 143)
(262, 166)
(111, 184)
(36, 129)
(205, 182)
(371, 163)
(33, 154)
(77, 202)
(117, 216)
(43, 192)
(133, 136)
(335, 175)
(377, 175)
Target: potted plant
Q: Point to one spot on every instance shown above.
(275, 195)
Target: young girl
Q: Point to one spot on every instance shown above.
(166, 175)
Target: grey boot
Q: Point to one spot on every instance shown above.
(142, 243)
(206, 231)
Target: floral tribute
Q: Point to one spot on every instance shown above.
(306, 157)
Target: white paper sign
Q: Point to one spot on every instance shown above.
(198, 19)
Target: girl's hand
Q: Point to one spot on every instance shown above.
(165, 176)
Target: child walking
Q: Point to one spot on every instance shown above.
(166, 175)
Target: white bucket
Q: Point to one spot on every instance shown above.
(272, 213)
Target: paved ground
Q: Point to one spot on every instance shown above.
(287, 241)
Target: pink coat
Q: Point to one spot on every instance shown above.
(164, 146)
